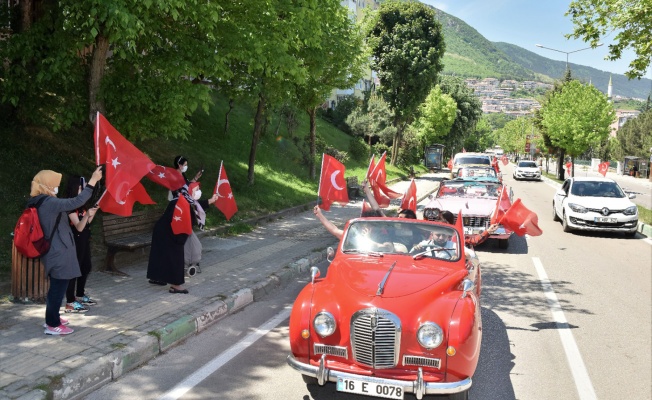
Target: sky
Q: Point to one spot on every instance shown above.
(526, 23)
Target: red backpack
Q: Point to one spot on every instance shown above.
(28, 235)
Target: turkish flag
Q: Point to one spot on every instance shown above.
(381, 199)
(125, 165)
(125, 207)
(521, 220)
(504, 159)
(502, 205)
(603, 168)
(450, 164)
(181, 219)
(409, 201)
(167, 177)
(366, 208)
(225, 201)
(569, 165)
(332, 185)
(377, 179)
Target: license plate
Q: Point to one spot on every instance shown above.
(369, 388)
(607, 220)
(468, 231)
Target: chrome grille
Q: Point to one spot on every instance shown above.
(475, 222)
(422, 361)
(375, 338)
(331, 350)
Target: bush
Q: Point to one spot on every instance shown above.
(357, 149)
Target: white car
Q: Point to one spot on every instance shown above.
(527, 170)
(595, 204)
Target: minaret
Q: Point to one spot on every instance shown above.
(609, 90)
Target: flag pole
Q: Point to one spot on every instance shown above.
(320, 174)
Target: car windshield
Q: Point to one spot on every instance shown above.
(378, 237)
(469, 189)
(466, 160)
(478, 171)
(597, 189)
(527, 164)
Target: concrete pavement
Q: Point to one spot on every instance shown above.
(135, 321)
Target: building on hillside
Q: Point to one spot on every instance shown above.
(370, 80)
(622, 116)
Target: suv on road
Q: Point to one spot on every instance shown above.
(469, 160)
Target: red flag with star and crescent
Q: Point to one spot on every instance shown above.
(450, 164)
(521, 220)
(377, 179)
(181, 219)
(569, 165)
(504, 159)
(603, 167)
(125, 207)
(225, 201)
(332, 185)
(167, 177)
(125, 165)
(502, 205)
(409, 201)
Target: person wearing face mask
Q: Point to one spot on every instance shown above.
(167, 254)
(181, 165)
(60, 261)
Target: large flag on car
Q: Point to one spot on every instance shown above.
(502, 205)
(332, 185)
(603, 168)
(409, 201)
(125, 207)
(167, 177)
(124, 164)
(521, 220)
(225, 201)
(377, 179)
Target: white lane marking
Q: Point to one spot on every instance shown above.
(578, 369)
(218, 362)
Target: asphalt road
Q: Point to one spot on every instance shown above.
(565, 316)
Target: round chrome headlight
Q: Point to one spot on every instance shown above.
(324, 324)
(430, 335)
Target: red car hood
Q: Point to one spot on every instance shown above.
(364, 274)
(469, 205)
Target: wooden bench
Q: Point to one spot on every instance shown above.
(353, 188)
(127, 233)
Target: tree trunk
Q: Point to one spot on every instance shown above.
(98, 63)
(258, 126)
(26, 14)
(313, 136)
(560, 165)
(226, 123)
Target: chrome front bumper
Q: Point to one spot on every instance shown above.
(419, 387)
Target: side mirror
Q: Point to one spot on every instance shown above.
(467, 286)
(632, 196)
(330, 253)
(314, 274)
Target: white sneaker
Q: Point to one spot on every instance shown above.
(59, 330)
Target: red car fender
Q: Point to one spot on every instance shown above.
(300, 319)
(465, 335)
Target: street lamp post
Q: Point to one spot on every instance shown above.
(568, 52)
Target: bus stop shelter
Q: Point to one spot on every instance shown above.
(635, 166)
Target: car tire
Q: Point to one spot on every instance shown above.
(459, 396)
(503, 243)
(555, 217)
(309, 380)
(564, 223)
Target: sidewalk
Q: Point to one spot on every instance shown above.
(135, 321)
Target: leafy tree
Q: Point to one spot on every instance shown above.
(577, 117)
(406, 46)
(485, 135)
(332, 58)
(635, 136)
(594, 19)
(436, 116)
(373, 121)
(513, 136)
(469, 111)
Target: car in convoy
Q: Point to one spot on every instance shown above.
(595, 204)
(527, 170)
(469, 160)
(476, 198)
(479, 172)
(397, 313)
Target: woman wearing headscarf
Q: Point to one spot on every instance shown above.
(167, 256)
(60, 261)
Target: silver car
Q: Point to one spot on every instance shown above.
(595, 204)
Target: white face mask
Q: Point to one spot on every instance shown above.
(184, 168)
(56, 190)
(197, 194)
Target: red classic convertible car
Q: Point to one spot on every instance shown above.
(397, 313)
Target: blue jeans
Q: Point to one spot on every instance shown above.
(53, 301)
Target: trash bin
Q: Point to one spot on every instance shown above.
(28, 280)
